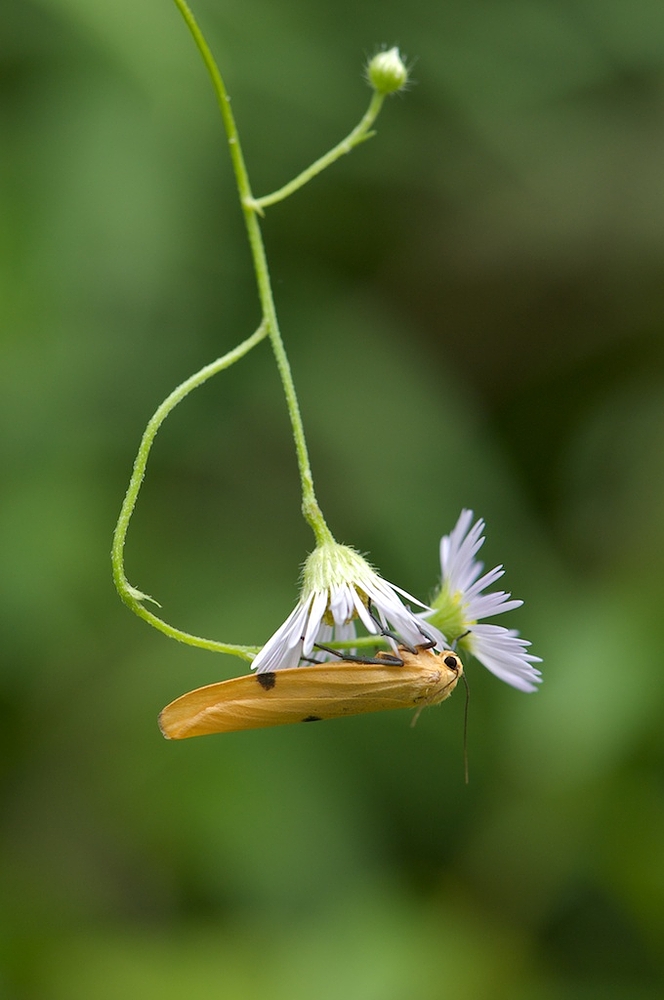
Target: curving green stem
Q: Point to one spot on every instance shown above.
(130, 595)
(310, 508)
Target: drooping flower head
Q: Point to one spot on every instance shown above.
(461, 602)
(338, 588)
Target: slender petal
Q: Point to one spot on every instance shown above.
(502, 651)
(461, 603)
(339, 587)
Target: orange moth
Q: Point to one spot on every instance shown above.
(312, 693)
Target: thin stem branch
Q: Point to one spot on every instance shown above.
(359, 134)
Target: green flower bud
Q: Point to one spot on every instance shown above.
(387, 72)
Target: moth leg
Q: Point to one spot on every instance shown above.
(385, 659)
(413, 721)
(386, 632)
(429, 644)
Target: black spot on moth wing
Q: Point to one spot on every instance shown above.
(313, 718)
(266, 681)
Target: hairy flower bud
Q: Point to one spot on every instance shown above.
(387, 72)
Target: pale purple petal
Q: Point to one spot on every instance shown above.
(502, 651)
(486, 605)
(485, 581)
(458, 551)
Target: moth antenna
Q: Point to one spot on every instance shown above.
(460, 637)
(465, 729)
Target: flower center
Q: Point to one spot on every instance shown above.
(449, 615)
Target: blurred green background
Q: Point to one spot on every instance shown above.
(473, 305)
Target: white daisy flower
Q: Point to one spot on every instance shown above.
(338, 587)
(460, 603)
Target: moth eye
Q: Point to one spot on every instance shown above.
(451, 662)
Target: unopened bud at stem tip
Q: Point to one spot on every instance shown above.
(387, 72)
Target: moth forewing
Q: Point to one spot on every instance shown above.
(312, 693)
